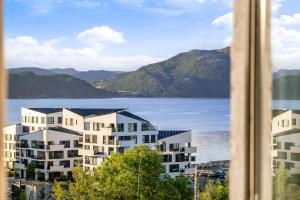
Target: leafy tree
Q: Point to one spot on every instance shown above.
(175, 189)
(282, 188)
(126, 176)
(30, 171)
(215, 191)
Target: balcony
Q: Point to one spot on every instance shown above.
(20, 166)
(59, 168)
(126, 143)
(24, 146)
(189, 149)
(38, 157)
(55, 147)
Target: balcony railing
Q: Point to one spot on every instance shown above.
(24, 146)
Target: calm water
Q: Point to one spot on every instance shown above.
(207, 118)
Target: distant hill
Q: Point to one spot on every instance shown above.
(287, 87)
(286, 72)
(90, 75)
(35, 70)
(197, 73)
(30, 85)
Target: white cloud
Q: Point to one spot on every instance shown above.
(165, 11)
(276, 5)
(286, 20)
(224, 20)
(227, 41)
(99, 36)
(27, 51)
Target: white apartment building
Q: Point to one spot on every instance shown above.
(100, 132)
(177, 152)
(11, 138)
(53, 152)
(108, 131)
(286, 141)
(36, 119)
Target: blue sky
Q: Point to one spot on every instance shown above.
(125, 34)
(152, 30)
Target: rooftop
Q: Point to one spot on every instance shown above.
(167, 133)
(64, 130)
(46, 110)
(84, 112)
(277, 112)
(130, 115)
(288, 132)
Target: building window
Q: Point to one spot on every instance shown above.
(289, 165)
(50, 120)
(72, 153)
(56, 154)
(295, 156)
(180, 157)
(282, 123)
(294, 122)
(71, 122)
(167, 158)
(66, 143)
(173, 168)
(43, 120)
(76, 144)
(174, 147)
(283, 155)
(87, 160)
(146, 139)
(94, 138)
(87, 147)
(87, 138)
(86, 126)
(120, 127)
(278, 145)
(153, 138)
(65, 163)
(104, 139)
(288, 145)
(132, 127)
(59, 120)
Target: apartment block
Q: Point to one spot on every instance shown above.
(286, 141)
(53, 152)
(177, 152)
(11, 138)
(98, 133)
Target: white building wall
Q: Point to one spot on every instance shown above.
(11, 135)
(37, 123)
(54, 137)
(184, 141)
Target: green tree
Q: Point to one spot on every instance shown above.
(280, 182)
(30, 171)
(282, 188)
(215, 191)
(175, 189)
(126, 176)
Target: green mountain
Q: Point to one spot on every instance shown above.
(30, 85)
(90, 75)
(287, 87)
(197, 73)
